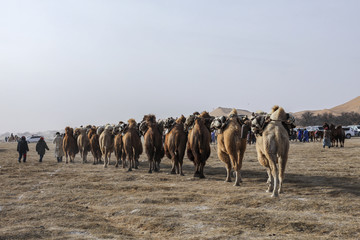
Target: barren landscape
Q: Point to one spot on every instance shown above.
(52, 200)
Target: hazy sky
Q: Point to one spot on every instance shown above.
(95, 62)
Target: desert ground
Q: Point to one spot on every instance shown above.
(51, 200)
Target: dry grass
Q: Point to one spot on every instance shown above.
(82, 201)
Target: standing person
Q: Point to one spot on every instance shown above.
(306, 135)
(22, 148)
(41, 147)
(59, 152)
(327, 136)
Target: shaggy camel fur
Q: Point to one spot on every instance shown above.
(273, 148)
(69, 145)
(83, 143)
(175, 144)
(153, 143)
(94, 145)
(198, 145)
(106, 141)
(132, 145)
(231, 147)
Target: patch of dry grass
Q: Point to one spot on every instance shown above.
(82, 201)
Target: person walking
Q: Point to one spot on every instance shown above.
(59, 152)
(22, 148)
(41, 147)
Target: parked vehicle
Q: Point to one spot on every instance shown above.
(33, 139)
(349, 131)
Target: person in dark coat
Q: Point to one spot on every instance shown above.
(41, 146)
(22, 148)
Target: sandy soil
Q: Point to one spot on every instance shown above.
(84, 201)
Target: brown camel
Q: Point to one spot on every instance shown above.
(83, 143)
(94, 145)
(337, 135)
(231, 145)
(272, 147)
(132, 144)
(106, 141)
(118, 144)
(198, 145)
(69, 145)
(153, 142)
(175, 144)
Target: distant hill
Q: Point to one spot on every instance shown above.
(220, 111)
(350, 106)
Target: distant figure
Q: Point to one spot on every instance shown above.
(22, 148)
(299, 135)
(327, 137)
(41, 147)
(306, 135)
(213, 137)
(59, 152)
(6, 139)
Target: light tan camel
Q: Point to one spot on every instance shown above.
(272, 148)
(106, 141)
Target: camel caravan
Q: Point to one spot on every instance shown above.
(192, 135)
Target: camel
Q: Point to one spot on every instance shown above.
(337, 135)
(231, 143)
(94, 145)
(118, 144)
(153, 142)
(132, 145)
(69, 145)
(175, 144)
(198, 145)
(272, 147)
(83, 143)
(106, 141)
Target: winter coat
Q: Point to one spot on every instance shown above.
(58, 141)
(22, 146)
(41, 146)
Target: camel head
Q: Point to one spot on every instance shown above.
(68, 131)
(180, 120)
(169, 122)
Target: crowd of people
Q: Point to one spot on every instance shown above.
(41, 147)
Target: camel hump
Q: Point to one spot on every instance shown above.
(278, 114)
(274, 108)
(233, 113)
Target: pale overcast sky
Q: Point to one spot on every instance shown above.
(95, 62)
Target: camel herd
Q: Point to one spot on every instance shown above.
(174, 137)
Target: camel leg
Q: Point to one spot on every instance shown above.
(226, 159)
(151, 165)
(238, 167)
(180, 168)
(157, 165)
(270, 180)
(274, 173)
(282, 165)
(130, 163)
(202, 165)
(173, 165)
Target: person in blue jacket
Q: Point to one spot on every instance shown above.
(306, 135)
